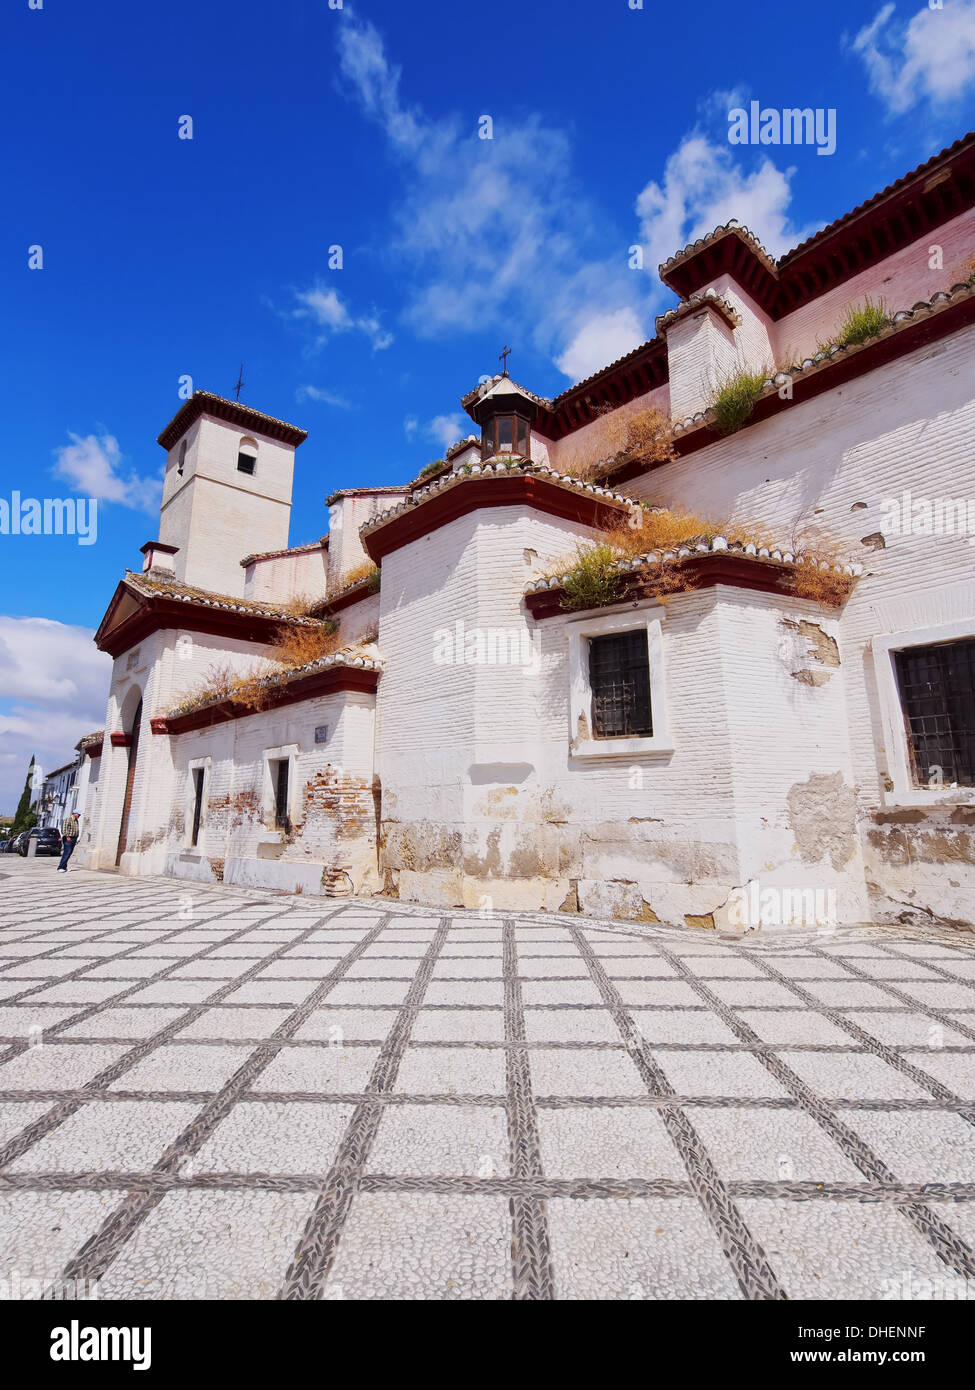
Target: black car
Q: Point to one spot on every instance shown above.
(48, 841)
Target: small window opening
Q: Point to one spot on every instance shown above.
(619, 677)
(197, 804)
(937, 690)
(282, 820)
(247, 456)
(182, 458)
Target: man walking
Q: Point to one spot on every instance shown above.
(69, 834)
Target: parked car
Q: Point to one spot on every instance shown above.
(48, 841)
(13, 846)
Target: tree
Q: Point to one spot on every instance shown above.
(22, 818)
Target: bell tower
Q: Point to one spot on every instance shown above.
(227, 490)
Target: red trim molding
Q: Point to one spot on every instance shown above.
(121, 740)
(325, 682)
(346, 600)
(156, 612)
(526, 489)
(696, 572)
(253, 421)
(835, 373)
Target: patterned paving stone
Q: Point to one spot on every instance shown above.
(770, 1146)
(126, 1136)
(627, 1142)
(931, 1147)
(331, 1070)
(826, 1249)
(326, 1099)
(421, 1246)
(227, 1023)
(274, 1137)
(441, 1140)
(53, 1067)
(459, 1025)
(40, 1231)
(846, 1076)
(568, 1072)
(717, 1074)
(210, 1245)
(637, 1249)
(465, 1071)
(336, 1025)
(180, 1066)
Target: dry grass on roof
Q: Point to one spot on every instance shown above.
(292, 648)
(363, 571)
(590, 576)
(642, 436)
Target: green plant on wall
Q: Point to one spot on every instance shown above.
(593, 579)
(734, 397)
(862, 321)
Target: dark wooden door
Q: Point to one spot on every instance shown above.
(129, 783)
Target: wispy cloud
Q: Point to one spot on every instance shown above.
(930, 58)
(93, 465)
(497, 233)
(325, 309)
(322, 397)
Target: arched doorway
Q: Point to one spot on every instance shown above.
(133, 751)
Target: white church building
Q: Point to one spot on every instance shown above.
(740, 728)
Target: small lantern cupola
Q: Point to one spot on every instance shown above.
(505, 412)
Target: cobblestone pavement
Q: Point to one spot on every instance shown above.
(209, 1093)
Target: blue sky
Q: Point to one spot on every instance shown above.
(358, 127)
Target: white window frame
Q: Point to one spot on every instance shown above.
(893, 724)
(194, 765)
(578, 632)
(276, 755)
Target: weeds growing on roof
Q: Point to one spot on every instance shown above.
(364, 571)
(293, 647)
(862, 322)
(733, 399)
(590, 578)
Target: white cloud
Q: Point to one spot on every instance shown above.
(60, 681)
(447, 429)
(704, 185)
(93, 467)
(326, 310)
(410, 426)
(316, 393)
(930, 58)
(495, 234)
(600, 341)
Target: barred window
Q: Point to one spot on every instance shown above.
(619, 677)
(937, 690)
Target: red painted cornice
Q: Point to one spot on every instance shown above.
(320, 682)
(696, 572)
(837, 372)
(154, 612)
(530, 490)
